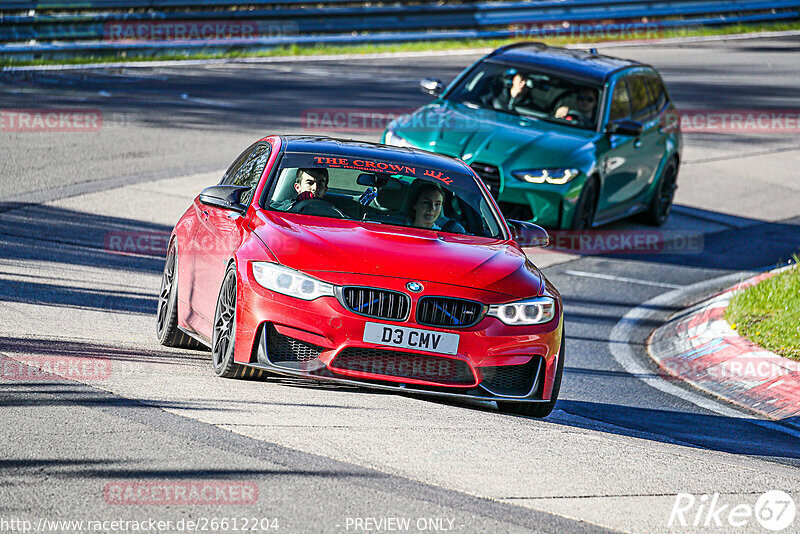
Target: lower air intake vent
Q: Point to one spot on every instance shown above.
(511, 380)
(449, 371)
(282, 348)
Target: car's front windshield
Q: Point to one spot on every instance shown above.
(528, 93)
(383, 192)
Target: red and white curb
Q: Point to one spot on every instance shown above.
(699, 347)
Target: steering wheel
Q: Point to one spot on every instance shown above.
(317, 206)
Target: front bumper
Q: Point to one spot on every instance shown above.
(552, 205)
(323, 340)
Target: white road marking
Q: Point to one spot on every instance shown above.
(621, 349)
(623, 279)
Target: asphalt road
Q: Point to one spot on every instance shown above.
(613, 455)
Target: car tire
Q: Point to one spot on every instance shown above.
(583, 217)
(661, 204)
(223, 339)
(539, 409)
(167, 312)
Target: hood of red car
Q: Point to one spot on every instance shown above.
(318, 245)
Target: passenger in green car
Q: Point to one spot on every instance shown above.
(516, 94)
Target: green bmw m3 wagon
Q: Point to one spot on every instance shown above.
(563, 138)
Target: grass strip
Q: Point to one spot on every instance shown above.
(768, 314)
(440, 45)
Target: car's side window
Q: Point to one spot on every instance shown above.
(643, 105)
(249, 174)
(657, 92)
(230, 174)
(620, 102)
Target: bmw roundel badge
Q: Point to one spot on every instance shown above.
(416, 287)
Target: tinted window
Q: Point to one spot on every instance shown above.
(520, 91)
(250, 173)
(383, 192)
(657, 92)
(620, 102)
(236, 165)
(247, 170)
(642, 104)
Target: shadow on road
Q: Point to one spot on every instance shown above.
(713, 432)
(70, 241)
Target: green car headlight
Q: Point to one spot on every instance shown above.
(537, 310)
(551, 176)
(289, 282)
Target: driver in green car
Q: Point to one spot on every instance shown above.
(583, 113)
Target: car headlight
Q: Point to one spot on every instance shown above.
(395, 140)
(289, 282)
(551, 176)
(537, 310)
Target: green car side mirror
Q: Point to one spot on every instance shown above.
(625, 127)
(431, 86)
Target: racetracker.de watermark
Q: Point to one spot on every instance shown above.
(713, 363)
(139, 243)
(597, 30)
(590, 242)
(733, 121)
(206, 30)
(351, 119)
(180, 492)
(46, 368)
(378, 119)
(50, 120)
(774, 510)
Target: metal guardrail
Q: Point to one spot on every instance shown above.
(169, 25)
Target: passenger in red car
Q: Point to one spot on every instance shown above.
(426, 206)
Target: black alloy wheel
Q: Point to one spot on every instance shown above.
(661, 203)
(224, 336)
(583, 218)
(167, 312)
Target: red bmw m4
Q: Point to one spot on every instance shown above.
(364, 264)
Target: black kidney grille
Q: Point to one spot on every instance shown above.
(490, 176)
(379, 303)
(442, 311)
(282, 348)
(511, 380)
(449, 371)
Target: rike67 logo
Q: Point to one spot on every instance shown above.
(774, 510)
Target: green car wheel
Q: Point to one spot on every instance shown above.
(584, 211)
(661, 204)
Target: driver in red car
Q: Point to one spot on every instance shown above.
(311, 183)
(308, 183)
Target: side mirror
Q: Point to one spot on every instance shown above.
(224, 196)
(431, 86)
(625, 127)
(528, 234)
